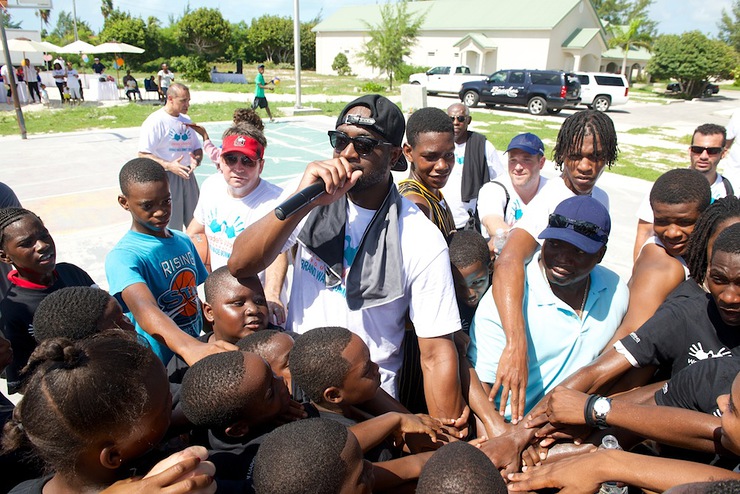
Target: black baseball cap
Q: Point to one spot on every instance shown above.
(385, 118)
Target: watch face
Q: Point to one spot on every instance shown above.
(602, 406)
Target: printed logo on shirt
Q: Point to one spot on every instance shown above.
(181, 302)
(635, 337)
(698, 353)
(315, 268)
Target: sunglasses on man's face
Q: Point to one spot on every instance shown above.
(363, 145)
(234, 159)
(459, 118)
(713, 151)
(585, 228)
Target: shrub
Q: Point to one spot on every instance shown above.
(372, 87)
(194, 68)
(341, 64)
(404, 72)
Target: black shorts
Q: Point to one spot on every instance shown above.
(259, 102)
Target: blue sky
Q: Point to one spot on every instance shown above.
(673, 16)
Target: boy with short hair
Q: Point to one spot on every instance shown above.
(274, 346)
(471, 270)
(332, 366)
(155, 271)
(460, 468)
(235, 307)
(677, 200)
(314, 455)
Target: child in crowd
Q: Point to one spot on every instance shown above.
(460, 468)
(44, 95)
(234, 307)
(120, 410)
(66, 94)
(677, 199)
(241, 116)
(274, 346)
(26, 244)
(431, 152)
(471, 269)
(332, 366)
(237, 398)
(78, 312)
(314, 455)
(155, 271)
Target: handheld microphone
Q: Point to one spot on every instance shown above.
(302, 198)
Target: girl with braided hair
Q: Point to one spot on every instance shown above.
(91, 410)
(26, 244)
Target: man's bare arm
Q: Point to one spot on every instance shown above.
(644, 232)
(150, 317)
(274, 279)
(508, 293)
(441, 381)
(259, 244)
(654, 276)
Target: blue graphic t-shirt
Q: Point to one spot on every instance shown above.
(171, 269)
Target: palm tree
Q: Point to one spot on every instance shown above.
(44, 15)
(106, 7)
(629, 37)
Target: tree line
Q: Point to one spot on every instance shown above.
(191, 42)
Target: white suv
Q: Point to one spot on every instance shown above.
(600, 90)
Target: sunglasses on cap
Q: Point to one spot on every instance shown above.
(713, 151)
(585, 228)
(234, 159)
(363, 145)
(459, 118)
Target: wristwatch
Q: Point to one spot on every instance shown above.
(602, 406)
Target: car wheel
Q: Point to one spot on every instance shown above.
(601, 103)
(470, 98)
(416, 83)
(553, 111)
(708, 92)
(537, 105)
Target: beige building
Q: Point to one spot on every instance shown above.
(487, 35)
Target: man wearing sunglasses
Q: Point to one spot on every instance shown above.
(476, 163)
(708, 147)
(572, 306)
(366, 257)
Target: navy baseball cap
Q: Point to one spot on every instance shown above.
(581, 221)
(529, 143)
(386, 118)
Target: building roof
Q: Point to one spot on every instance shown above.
(480, 39)
(635, 54)
(457, 15)
(581, 37)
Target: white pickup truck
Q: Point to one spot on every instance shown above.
(445, 78)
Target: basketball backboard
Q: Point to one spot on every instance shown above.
(27, 4)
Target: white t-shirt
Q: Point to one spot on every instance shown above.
(492, 200)
(429, 293)
(73, 79)
(453, 189)
(168, 137)
(545, 202)
(167, 78)
(225, 217)
(645, 211)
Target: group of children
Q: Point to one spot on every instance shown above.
(203, 397)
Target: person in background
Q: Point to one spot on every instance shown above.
(30, 75)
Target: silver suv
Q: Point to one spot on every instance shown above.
(601, 91)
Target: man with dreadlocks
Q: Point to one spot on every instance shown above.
(26, 244)
(586, 143)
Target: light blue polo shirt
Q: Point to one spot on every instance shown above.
(558, 341)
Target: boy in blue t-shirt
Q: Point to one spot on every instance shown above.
(154, 271)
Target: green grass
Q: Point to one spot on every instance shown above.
(645, 130)
(646, 162)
